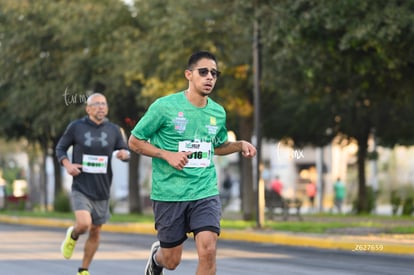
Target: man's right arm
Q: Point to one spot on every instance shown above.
(73, 169)
(176, 159)
(64, 143)
(145, 148)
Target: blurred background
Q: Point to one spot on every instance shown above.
(323, 88)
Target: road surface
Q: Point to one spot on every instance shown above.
(29, 250)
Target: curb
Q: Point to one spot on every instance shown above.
(369, 244)
(381, 243)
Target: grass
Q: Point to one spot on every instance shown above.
(319, 227)
(403, 230)
(315, 223)
(61, 215)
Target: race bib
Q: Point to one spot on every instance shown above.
(94, 164)
(201, 153)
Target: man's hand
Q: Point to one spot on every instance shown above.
(123, 154)
(229, 147)
(176, 159)
(73, 169)
(248, 150)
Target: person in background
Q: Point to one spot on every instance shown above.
(311, 193)
(339, 194)
(94, 139)
(226, 190)
(181, 132)
(277, 186)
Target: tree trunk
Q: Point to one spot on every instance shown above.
(43, 177)
(134, 198)
(362, 202)
(35, 185)
(58, 177)
(57, 172)
(248, 195)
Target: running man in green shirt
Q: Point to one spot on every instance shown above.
(182, 132)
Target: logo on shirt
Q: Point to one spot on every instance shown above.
(102, 139)
(212, 128)
(180, 123)
(213, 121)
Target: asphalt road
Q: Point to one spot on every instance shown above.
(35, 250)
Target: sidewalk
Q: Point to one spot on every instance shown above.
(362, 243)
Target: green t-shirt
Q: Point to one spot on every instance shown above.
(170, 121)
(339, 189)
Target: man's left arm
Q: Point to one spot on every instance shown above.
(123, 152)
(229, 147)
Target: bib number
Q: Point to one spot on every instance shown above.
(94, 164)
(201, 153)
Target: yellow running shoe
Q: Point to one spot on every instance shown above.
(85, 272)
(68, 245)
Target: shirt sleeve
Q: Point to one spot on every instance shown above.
(66, 140)
(149, 123)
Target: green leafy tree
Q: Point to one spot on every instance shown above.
(341, 68)
(52, 56)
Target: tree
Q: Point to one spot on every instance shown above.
(343, 68)
(53, 55)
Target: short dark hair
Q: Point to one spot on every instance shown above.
(195, 57)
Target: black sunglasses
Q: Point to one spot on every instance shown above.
(204, 72)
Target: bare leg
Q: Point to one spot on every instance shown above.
(91, 245)
(169, 258)
(206, 248)
(84, 224)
